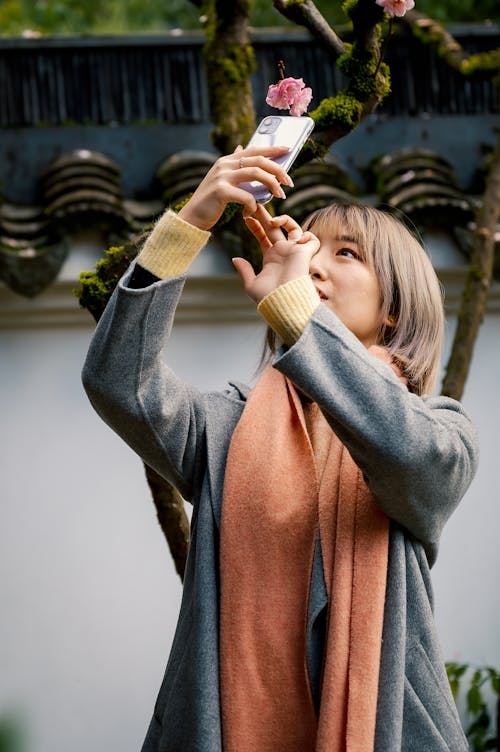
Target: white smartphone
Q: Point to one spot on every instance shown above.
(278, 130)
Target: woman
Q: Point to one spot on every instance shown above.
(318, 497)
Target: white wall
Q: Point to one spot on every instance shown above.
(466, 573)
(88, 593)
(89, 596)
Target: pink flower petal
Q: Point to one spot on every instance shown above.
(396, 7)
(289, 94)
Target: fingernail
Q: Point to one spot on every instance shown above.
(289, 181)
(282, 192)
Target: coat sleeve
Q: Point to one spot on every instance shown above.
(159, 416)
(418, 455)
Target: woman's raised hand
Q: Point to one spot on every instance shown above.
(221, 184)
(286, 253)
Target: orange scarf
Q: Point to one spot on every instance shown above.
(273, 504)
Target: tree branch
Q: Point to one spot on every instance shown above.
(368, 78)
(475, 295)
(306, 14)
(229, 63)
(432, 32)
(366, 19)
(171, 516)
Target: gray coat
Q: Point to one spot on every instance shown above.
(418, 456)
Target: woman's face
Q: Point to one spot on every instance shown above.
(348, 285)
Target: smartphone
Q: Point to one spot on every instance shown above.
(279, 130)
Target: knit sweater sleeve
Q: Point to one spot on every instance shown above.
(288, 308)
(171, 247)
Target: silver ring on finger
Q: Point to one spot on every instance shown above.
(241, 163)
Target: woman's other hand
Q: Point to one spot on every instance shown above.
(286, 253)
(221, 184)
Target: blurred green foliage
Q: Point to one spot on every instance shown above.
(481, 689)
(473, 11)
(11, 735)
(125, 16)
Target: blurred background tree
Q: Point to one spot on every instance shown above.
(125, 16)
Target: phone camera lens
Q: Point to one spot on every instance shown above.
(269, 125)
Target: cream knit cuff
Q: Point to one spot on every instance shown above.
(172, 246)
(288, 308)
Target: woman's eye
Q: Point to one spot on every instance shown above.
(347, 252)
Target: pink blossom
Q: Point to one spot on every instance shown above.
(396, 7)
(290, 94)
(301, 102)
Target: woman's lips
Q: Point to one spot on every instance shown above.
(321, 294)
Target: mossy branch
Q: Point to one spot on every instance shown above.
(431, 32)
(477, 284)
(305, 13)
(96, 287)
(229, 62)
(368, 78)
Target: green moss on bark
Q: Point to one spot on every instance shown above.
(481, 61)
(342, 110)
(229, 63)
(432, 33)
(96, 287)
(368, 78)
(365, 14)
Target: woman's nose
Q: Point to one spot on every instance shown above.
(316, 267)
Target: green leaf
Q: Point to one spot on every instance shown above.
(476, 676)
(456, 670)
(474, 699)
(477, 732)
(494, 680)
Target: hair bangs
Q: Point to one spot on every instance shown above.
(343, 222)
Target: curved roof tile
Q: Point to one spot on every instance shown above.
(82, 188)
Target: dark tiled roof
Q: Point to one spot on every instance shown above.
(82, 188)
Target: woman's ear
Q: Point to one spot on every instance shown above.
(386, 331)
